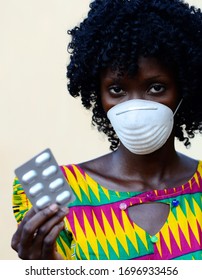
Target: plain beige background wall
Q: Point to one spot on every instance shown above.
(36, 111)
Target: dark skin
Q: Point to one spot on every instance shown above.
(120, 170)
(128, 171)
(47, 224)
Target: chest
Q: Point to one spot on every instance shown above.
(127, 229)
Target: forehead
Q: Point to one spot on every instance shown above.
(147, 67)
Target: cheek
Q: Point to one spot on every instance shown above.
(107, 102)
(174, 100)
(171, 99)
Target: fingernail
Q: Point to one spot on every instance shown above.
(65, 210)
(62, 224)
(53, 207)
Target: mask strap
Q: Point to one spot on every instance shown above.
(177, 107)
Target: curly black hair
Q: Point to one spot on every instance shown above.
(117, 32)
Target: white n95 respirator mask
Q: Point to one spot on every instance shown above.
(142, 126)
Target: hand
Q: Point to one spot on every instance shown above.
(35, 238)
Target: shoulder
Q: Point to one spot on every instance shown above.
(92, 167)
(189, 170)
(79, 177)
(101, 168)
(89, 172)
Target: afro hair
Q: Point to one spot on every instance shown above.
(116, 33)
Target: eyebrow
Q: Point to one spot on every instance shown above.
(113, 79)
(118, 79)
(154, 77)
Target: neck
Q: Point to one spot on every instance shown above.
(154, 167)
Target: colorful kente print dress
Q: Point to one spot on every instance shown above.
(98, 226)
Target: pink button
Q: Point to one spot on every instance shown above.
(149, 196)
(123, 206)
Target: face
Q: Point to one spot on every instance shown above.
(152, 82)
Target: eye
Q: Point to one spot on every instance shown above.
(157, 88)
(116, 90)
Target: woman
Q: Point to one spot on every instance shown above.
(136, 65)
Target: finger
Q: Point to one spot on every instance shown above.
(48, 249)
(46, 236)
(27, 230)
(32, 225)
(46, 227)
(17, 235)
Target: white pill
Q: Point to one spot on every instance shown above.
(36, 189)
(43, 158)
(64, 197)
(29, 176)
(51, 170)
(56, 184)
(43, 202)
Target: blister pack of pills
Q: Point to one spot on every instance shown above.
(43, 181)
